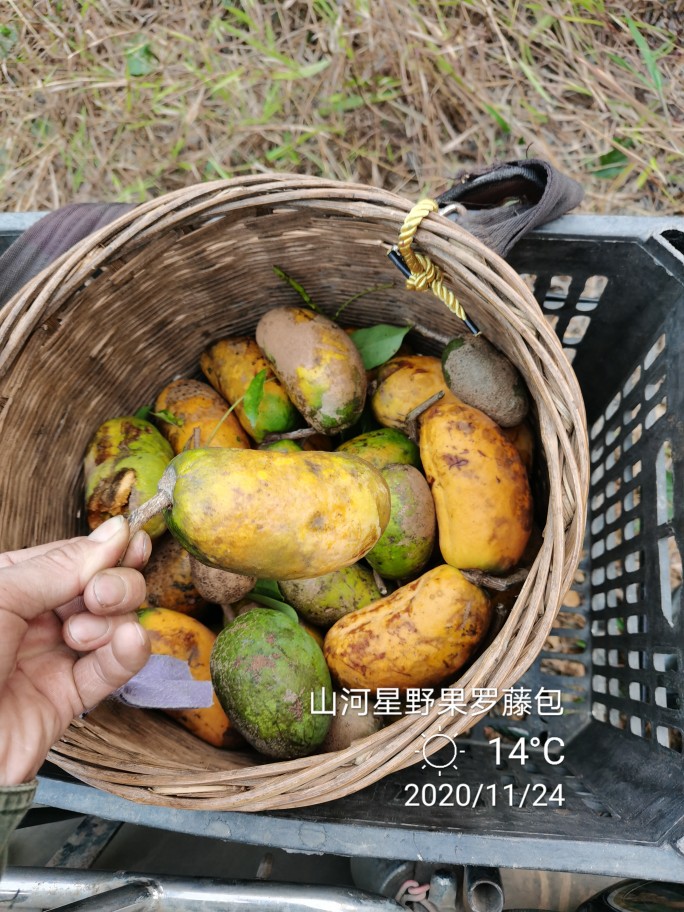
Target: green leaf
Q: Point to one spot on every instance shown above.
(140, 58)
(143, 413)
(647, 54)
(268, 587)
(254, 395)
(611, 164)
(377, 344)
(501, 121)
(276, 604)
(8, 38)
(168, 417)
(301, 291)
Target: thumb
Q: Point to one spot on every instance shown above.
(56, 577)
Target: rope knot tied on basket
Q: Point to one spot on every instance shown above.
(422, 274)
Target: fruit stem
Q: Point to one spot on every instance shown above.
(379, 582)
(415, 413)
(155, 505)
(290, 435)
(499, 583)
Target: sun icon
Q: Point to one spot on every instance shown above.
(430, 743)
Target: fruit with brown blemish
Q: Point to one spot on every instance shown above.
(219, 586)
(522, 437)
(230, 365)
(406, 545)
(270, 676)
(200, 417)
(418, 636)
(383, 447)
(479, 486)
(123, 464)
(325, 599)
(168, 578)
(174, 634)
(272, 515)
(317, 363)
(404, 383)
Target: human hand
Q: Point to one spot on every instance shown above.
(68, 637)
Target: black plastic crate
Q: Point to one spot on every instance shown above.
(613, 287)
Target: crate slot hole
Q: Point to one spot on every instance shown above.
(667, 697)
(616, 626)
(598, 548)
(599, 683)
(639, 692)
(613, 487)
(576, 330)
(570, 620)
(655, 351)
(632, 529)
(652, 388)
(613, 405)
(615, 597)
(617, 658)
(631, 472)
(636, 658)
(598, 658)
(559, 286)
(598, 576)
(597, 453)
(617, 718)
(592, 291)
(598, 603)
(597, 427)
(633, 498)
(614, 539)
(613, 458)
(563, 667)
(665, 661)
(614, 512)
(632, 380)
(636, 726)
(664, 484)
(615, 570)
(669, 737)
(630, 414)
(656, 413)
(633, 593)
(612, 435)
(634, 436)
(599, 711)
(597, 524)
(597, 501)
(675, 238)
(670, 561)
(637, 623)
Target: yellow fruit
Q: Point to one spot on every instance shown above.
(479, 485)
(196, 406)
(184, 637)
(404, 383)
(417, 636)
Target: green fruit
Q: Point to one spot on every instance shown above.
(283, 446)
(383, 447)
(268, 674)
(406, 544)
(325, 599)
(122, 466)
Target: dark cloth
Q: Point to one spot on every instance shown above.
(49, 238)
(504, 201)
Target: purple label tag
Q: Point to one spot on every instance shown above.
(165, 683)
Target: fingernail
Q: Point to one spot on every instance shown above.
(86, 628)
(109, 589)
(142, 543)
(108, 529)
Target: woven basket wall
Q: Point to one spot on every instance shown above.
(102, 329)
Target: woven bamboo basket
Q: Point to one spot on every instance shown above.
(103, 328)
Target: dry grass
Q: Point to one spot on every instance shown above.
(119, 100)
